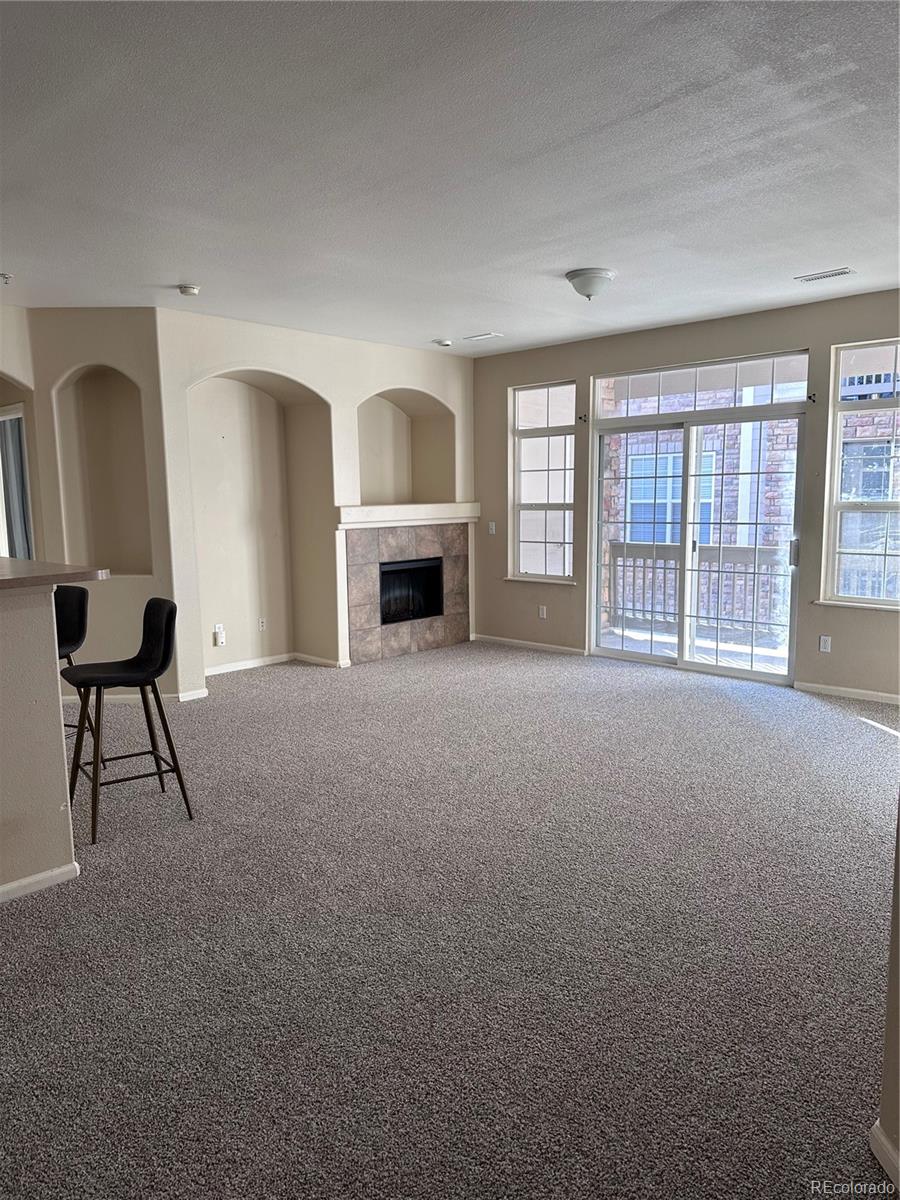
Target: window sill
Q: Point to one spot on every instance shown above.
(859, 605)
(540, 579)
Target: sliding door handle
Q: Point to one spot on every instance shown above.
(795, 552)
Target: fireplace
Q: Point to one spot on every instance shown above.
(411, 590)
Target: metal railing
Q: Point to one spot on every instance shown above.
(747, 583)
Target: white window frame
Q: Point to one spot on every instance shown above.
(516, 506)
(834, 506)
(16, 412)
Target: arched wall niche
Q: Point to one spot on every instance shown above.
(407, 448)
(25, 540)
(104, 494)
(263, 496)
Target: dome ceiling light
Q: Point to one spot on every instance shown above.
(590, 281)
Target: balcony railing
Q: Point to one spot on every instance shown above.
(737, 583)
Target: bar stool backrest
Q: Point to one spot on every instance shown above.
(71, 604)
(158, 642)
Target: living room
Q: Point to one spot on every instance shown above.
(519, 645)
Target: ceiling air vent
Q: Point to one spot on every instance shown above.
(481, 337)
(818, 276)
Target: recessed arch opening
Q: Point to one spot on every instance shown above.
(103, 470)
(407, 448)
(263, 495)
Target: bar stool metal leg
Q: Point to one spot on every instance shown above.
(85, 695)
(154, 742)
(95, 765)
(90, 724)
(173, 754)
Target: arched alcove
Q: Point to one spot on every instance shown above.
(406, 449)
(263, 492)
(17, 469)
(103, 468)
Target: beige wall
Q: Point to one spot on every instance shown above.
(864, 643)
(312, 521)
(15, 345)
(385, 465)
(889, 1115)
(241, 520)
(432, 447)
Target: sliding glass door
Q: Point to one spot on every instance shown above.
(696, 547)
(740, 544)
(640, 539)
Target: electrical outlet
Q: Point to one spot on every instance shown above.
(824, 644)
(542, 612)
(262, 624)
(492, 527)
(218, 635)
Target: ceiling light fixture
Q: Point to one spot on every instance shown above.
(189, 289)
(836, 273)
(590, 281)
(480, 337)
(442, 342)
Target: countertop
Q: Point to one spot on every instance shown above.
(27, 572)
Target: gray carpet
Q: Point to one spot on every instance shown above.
(473, 923)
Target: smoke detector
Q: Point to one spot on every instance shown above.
(590, 281)
(189, 289)
(818, 276)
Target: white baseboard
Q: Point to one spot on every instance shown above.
(885, 1151)
(133, 697)
(484, 637)
(320, 662)
(821, 689)
(249, 663)
(37, 883)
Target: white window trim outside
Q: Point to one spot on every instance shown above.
(834, 506)
(515, 439)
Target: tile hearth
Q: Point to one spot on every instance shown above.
(366, 550)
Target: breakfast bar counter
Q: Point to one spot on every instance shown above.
(35, 825)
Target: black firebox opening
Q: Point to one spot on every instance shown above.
(412, 590)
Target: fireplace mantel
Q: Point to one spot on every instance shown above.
(373, 516)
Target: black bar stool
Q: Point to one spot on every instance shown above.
(71, 605)
(140, 672)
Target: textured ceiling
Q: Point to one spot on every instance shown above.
(401, 172)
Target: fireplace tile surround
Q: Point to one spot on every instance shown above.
(371, 641)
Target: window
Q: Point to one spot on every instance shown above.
(750, 382)
(15, 514)
(653, 501)
(862, 562)
(544, 448)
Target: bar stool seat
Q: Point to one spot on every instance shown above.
(129, 672)
(140, 672)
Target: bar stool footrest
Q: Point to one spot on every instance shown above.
(168, 769)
